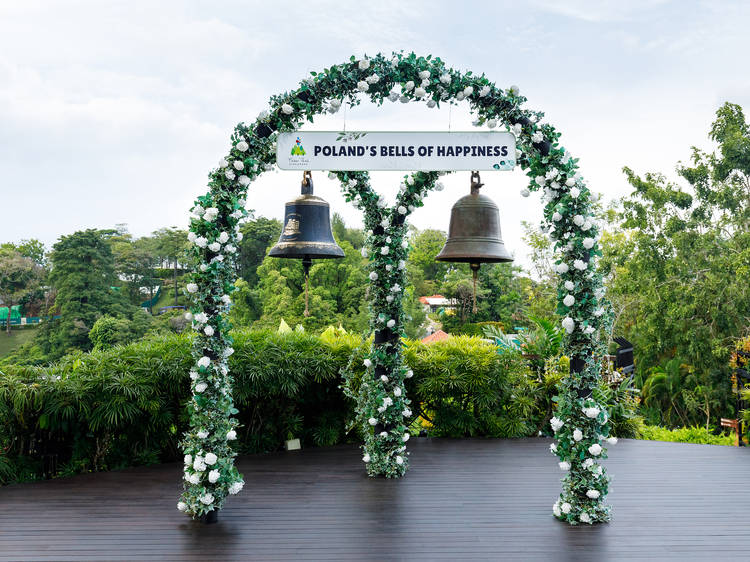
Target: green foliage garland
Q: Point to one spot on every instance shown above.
(382, 406)
(568, 215)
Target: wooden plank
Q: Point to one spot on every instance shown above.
(461, 500)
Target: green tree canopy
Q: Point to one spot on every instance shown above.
(426, 274)
(257, 235)
(19, 276)
(169, 245)
(83, 272)
(680, 266)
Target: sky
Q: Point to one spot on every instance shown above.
(114, 112)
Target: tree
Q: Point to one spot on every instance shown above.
(135, 261)
(169, 244)
(425, 273)
(355, 236)
(459, 287)
(337, 292)
(257, 235)
(679, 267)
(19, 276)
(34, 250)
(414, 326)
(109, 331)
(246, 305)
(503, 290)
(83, 273)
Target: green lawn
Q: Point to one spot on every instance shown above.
(167, 297)
(17, 338)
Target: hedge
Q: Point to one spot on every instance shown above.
(694, 434)
(126, 406)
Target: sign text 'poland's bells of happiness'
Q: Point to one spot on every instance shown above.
(417, 151)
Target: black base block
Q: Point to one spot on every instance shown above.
(209, 518)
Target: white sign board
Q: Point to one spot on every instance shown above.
(408, 151)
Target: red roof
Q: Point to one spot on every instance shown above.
(424, 300)
(440, 335)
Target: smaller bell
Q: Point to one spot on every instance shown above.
(307, 233)
(474, 235)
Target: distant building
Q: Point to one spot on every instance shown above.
(436, 302)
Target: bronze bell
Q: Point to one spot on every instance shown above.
(307, 231)
(474, 233)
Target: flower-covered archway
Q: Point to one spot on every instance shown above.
(581, 421)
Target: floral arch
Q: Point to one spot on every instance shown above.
(581, 422)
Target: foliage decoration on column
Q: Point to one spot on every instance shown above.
(581, 423)
(382, 406)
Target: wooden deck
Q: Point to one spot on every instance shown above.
(461, 500)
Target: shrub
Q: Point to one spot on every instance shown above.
(457, 385)
(126, 405)
(117, 407)
(109, 331)
(453, 325)
(695, 434)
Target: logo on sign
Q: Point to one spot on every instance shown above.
(298, 157)
(298, 149)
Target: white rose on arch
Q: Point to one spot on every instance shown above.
(591, 412)
(556, 424)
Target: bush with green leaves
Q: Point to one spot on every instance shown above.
(695, 434)
(458, 385)
(109, 331)
(127, 405)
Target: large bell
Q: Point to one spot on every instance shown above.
(474, 233)
(307, 231)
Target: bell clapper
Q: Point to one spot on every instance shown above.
(306, 263)
(474, 270)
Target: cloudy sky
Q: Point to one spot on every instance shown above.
(114, 112)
